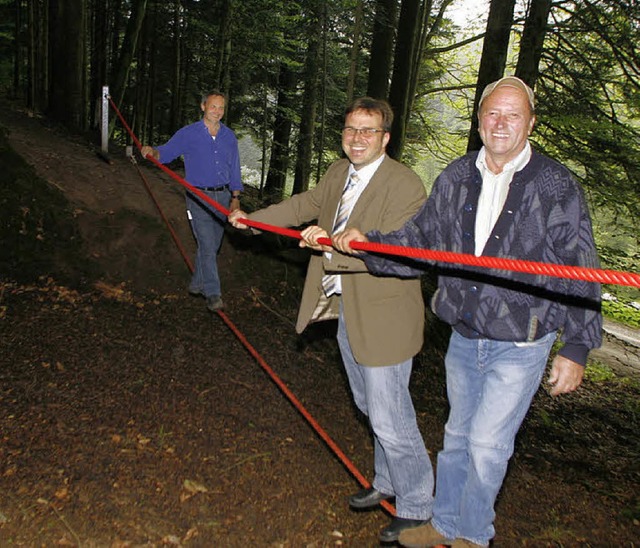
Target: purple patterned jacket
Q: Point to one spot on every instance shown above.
(544, 219)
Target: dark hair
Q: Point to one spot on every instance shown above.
(373, 105)
(212, 93)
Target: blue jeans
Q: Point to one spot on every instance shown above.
(207, 224)
(402, 465)
(490, 385)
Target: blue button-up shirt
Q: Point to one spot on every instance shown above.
(208, 161)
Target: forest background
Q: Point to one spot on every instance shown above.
(289, 68)
(111, 433)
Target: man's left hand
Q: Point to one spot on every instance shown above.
(566, 375)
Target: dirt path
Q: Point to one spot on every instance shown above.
(620, 349)
(129, 416)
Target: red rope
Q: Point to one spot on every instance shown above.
(298, 405)
(530, 267)
(174, 236)
(272, 374)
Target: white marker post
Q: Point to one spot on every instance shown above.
(105, 120)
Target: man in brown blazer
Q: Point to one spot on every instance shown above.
(380, 319)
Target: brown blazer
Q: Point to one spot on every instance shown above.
(384, 316)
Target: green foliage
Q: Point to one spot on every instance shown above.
(598, 372)
(621, 312)
(588, 96)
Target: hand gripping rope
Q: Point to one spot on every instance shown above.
(529, 267)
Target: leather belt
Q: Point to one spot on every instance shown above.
(213, 188)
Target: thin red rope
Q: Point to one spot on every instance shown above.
(303, 411)
(272, 374)
(174, 235)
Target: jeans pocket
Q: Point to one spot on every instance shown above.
(538, 342)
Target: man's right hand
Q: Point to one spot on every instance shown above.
(342, 241)
(235, 218)
(146, 150)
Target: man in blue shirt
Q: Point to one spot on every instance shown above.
(212, 164)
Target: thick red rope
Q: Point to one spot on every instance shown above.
(613, 277)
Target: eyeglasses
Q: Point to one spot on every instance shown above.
(364, 131)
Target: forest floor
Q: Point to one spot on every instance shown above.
(131, 416)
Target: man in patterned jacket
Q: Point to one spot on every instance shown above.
(506, 200)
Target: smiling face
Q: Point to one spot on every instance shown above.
(505, 122)
(213, 109)
(360, 149)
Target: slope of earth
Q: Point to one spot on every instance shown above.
(130, 416)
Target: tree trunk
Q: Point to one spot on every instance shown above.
(67, 90)
(31, 55)
(355, 50)
(494, 58)
(323, 98)
(99, 59)
(535, 30)
(18, 51)
(127, 51)
(308, 114)
(384, 28)
(282, 125)
(176, 88)
(221, 42)
(408, 37)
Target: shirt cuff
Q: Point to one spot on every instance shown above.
(575, 352)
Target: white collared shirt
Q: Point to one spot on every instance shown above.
(365, 174)
(494, 193)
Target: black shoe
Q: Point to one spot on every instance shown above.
(392, 531)
(367, 498)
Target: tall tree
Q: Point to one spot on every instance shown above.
(99, 60)
(589, 102)
(176, 77)
(282, 126)
(38, 53)
(383, 40)
(310, 94)
(355, 49)
(67, 86)
(223, 43)
(531, 44)
(494, 57)
(406, 47)
(127, 51)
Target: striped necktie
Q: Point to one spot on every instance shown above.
(329, 281)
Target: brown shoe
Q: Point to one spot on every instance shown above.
(424, 536)
(464, 543)
(392, 531)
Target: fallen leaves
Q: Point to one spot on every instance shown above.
(191, 488)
